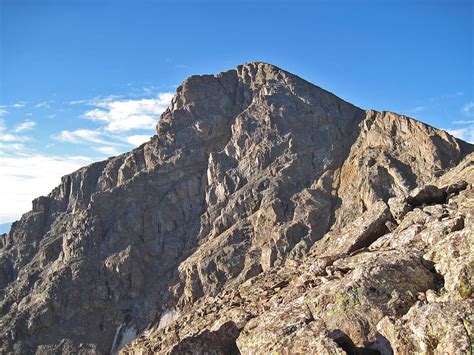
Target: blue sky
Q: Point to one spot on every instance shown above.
(83, 80)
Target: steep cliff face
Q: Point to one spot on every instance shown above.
(253, 172)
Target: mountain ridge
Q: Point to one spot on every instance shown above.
(249, 171)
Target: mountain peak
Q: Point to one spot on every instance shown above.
(253, 85)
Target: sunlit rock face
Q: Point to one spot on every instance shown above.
(267, 214)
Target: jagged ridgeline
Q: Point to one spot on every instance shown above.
(266, 215)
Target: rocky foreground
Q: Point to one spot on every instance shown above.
(267, 215)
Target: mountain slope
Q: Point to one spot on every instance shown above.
(248, 171)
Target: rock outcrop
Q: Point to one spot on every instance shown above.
(266, 215)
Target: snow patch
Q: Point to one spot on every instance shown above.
(123, 336)
(126, 334)
(167, 318)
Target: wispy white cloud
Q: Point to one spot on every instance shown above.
(431, 103)
(19, 104)
(468, 109)
(11, 148)
(25, 126)
(149, 90)
(44, 104)
(78, 102)
(8, 137)
(107, 150)
(465, 133)
(24, 177)
(3, 112)
(137, 139)
(417, 109)
(122, 116)
(95, 100)
(464, 122)
(84, 136)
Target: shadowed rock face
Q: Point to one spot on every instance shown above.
(253, 172)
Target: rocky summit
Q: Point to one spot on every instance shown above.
(266, 215)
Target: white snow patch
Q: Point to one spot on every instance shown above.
(167, 318)
(115, 338)
(123, 337)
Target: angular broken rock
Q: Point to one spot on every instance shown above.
(358, 234)
(429, 194)
(253, 175)
(398, 208)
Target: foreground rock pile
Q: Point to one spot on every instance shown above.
(266, 215)
(408, 290)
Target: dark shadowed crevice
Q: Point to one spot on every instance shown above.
(380, 346)
(220, 341)
(438, 278)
